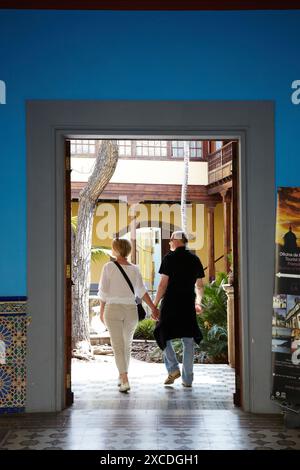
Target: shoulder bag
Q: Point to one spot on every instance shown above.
(140, 308)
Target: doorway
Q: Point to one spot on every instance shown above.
(145, 209)
(49, 125)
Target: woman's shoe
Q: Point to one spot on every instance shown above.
(124, 387)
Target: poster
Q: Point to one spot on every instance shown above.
(286, 299)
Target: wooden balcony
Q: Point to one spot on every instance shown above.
(220, 163)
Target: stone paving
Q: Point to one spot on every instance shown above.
(150, 417)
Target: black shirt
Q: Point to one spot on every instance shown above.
(183, 269)
(177, 312)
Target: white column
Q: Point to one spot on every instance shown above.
(230, 323)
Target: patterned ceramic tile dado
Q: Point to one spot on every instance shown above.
(13, 323)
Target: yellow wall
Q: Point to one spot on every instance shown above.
(117, 224)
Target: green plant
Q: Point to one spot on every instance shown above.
(213, 320)
(157, 355)
(98, 253)
(144, 329)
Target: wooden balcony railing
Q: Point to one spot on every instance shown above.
(220, 162)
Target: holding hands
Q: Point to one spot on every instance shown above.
(155, 313)
(198, 309)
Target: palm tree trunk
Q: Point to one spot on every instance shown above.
(105, 165)
(184, 187)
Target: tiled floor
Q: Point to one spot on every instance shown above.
(150, 416)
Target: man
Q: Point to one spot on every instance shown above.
(180, 272)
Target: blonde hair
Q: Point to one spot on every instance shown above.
(121, 246)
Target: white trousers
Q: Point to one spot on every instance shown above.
(121, 321)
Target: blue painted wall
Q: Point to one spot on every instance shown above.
(137, 55)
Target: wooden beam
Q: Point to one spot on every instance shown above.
(150, 192)
(219, 187)
(211, 241)
(227, 228)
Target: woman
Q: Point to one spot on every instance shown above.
(118, 308)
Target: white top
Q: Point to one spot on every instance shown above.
(113, 287)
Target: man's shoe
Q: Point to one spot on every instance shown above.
(172, 377)
(186, 385)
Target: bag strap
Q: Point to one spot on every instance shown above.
(125, 276)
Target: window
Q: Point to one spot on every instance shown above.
(147, 149)
(151, 148)
(219, 144)
(124, 148)
(178, 149)
(83, 147)
(195, 149)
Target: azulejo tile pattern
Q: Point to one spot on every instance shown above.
(13, 331)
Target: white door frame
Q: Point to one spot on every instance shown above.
(49, 123)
